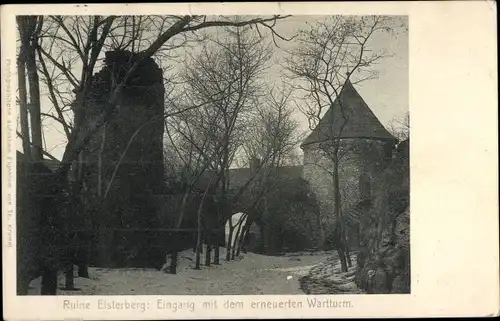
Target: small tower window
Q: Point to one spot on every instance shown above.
(365, 186)
(389, 150)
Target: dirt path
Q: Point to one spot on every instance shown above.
(253, 274)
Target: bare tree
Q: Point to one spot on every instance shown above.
(70, 48)
(271, 139)
(400, 127)
(329, 54)
(29, 28)
(23, 95)
(190, 153)
(29, 31)
(227, 73)
(272, 133)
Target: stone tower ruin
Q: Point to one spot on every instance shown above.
(124, 162)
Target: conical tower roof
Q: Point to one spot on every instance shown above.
(360, 121)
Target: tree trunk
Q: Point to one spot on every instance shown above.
(235, 245)
(83, 270)
(265, 241)
(49, 282)
(217, 251)
(208, 242)
(322, 234)
(69, 257)
(105, 244)
(69, 278)
(104, 259)
(242, 238)
(238, 236)
(208, 253)
(346, 245)
(198, 247)
(339, 238)
(23, 100)
(340, 248)
(199, 243)
(229, 242)
(183, 208)
(175, 250)
(99, 162)
(240, 247)
(223, 210)
(173, 262)
(34, 90)
(29, 38)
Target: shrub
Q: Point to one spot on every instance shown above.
(290, 217)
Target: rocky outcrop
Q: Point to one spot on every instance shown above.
(383, 264)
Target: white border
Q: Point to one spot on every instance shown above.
(454, 175)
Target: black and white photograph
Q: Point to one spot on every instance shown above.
(211, 155)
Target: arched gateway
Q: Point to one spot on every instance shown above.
(237, 232)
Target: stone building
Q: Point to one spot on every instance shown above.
(365, 150)
(123, 161)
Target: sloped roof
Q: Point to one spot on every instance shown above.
(238, 177)
(361, 122)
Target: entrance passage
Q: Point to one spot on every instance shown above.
(234, 229)
(238, 238)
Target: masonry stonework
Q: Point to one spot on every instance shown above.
(365, 151)
(360, 158)
(124, 162)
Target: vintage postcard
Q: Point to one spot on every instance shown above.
(249, 160)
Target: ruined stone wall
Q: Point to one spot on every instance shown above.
(359, 156)
(133, 200)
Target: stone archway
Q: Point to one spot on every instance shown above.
(237, 232)
(234, 229)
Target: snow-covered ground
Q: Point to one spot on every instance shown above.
(251, 274)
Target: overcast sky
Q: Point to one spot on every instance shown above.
(387, 95)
